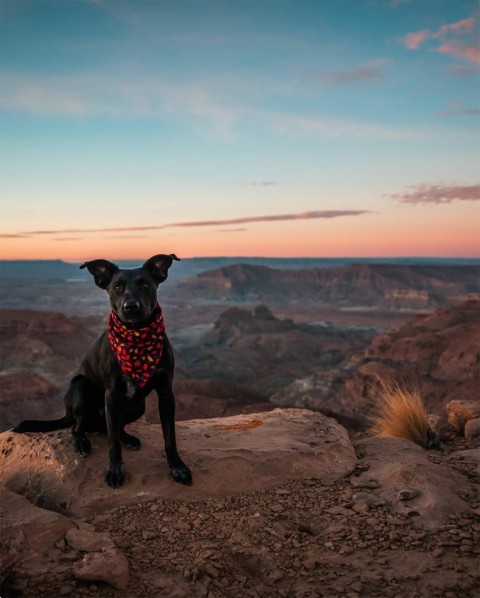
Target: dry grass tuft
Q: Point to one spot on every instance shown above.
(400, 413)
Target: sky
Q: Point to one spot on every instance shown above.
(239, 128)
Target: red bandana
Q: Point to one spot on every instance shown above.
(137, 351)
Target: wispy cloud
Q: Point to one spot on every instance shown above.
(371, 72)
(416, 39)
(204, 223)
(311, 126)
(460, 112)
(126, 96)
(437, 194)
(464, 27)
(214, 107)
(273, 218)
(469, 51)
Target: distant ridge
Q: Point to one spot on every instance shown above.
(60, 269)
(370, 285)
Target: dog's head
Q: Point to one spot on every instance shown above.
(133, 293)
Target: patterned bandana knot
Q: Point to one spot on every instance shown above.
(138, 352)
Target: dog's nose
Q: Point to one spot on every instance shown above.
(131, 306)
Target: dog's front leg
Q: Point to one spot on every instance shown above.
(166, 405)
(115, 475)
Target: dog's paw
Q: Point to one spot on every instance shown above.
(182, 475)
(82, 446)
(131, 442)
(115, 476)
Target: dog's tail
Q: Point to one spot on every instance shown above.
(34, 425)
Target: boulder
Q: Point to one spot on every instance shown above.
(88, 541)
(411, 483)
(460, 412)
(29, 533)
(109, 566)
(472, 428)
(226, 455)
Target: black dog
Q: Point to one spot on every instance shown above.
(123, 365)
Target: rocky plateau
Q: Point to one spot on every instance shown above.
(282, 504)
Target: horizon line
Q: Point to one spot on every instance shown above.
(262, 257)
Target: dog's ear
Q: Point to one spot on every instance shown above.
(158, 266)
(102, 271)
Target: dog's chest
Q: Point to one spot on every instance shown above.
(131, 388)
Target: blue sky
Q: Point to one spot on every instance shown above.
(355, 121)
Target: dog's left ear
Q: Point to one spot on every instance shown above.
(102, 271)
(158, 266)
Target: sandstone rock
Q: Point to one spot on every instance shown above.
(438, 352)
(226, 455)
(88, 541)
(200, 399)
(398, 464)
(30, 531)
(109, 566)
(472, 428)
(460, 412)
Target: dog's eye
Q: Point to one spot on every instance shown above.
(118, 287)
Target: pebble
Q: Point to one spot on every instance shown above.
(407, 493)
(109, 566)
(340, 511)
(364, 483)
(88, 541)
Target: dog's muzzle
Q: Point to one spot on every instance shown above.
(131, 307)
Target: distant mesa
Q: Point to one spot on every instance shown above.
(388, 285)
(257, 350)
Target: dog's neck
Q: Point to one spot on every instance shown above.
(139, 325)
(137, 349)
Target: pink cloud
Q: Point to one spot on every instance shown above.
(413, 40)
(200, 223)
(470, 52)
(426, 193)
(463, 26)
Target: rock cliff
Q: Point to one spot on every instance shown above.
(439, 352)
